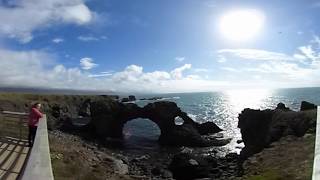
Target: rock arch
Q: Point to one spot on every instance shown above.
(108, 118)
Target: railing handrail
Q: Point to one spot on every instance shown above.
(15, 113)
(39, 162)
(316, 162)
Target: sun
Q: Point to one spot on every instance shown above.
(241, 25)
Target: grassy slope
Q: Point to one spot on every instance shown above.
(71, 158)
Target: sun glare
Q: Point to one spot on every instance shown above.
(241, 25)
(253, 98)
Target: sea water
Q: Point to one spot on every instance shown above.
(221, 108)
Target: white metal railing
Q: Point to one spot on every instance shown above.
(39, 162)
(316, 163)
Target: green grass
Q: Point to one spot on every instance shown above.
(285, 168)
(268, 175)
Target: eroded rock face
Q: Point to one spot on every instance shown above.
(307, 106)
(128, 99)
(132, 98)
(109, 117)
(283, 107)
(259, 128)
(254, 127)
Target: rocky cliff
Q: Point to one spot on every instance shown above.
(259, 128)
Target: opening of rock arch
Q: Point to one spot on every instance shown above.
(141, 133)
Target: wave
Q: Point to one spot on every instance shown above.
(168, 98)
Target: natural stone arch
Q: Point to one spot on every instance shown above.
(109, 117)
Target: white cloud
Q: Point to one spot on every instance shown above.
(156, 76)
(316, 40)
(177, 73)
(193, 77)
(180, 59)
(39, 69)
(86, 63)
(300, 69)
(300, 32)
(308, 52)
(99, 75)
(104, 37)
(88, 38)
(221, 59)
(300, 56)
(25, 16)
(199, 70)
(230, 69)
(131, 73)
(290, 71)
(255, 54)
(57, 40)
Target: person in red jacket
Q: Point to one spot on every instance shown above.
(34, 118)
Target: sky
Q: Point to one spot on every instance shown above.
(159, 46)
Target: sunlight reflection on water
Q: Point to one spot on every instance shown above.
(223, 108)
(241, 99)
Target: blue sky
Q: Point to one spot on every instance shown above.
(156, 46)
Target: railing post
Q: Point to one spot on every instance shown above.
(316, 163)
(20, 127)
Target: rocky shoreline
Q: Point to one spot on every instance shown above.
(179, 156)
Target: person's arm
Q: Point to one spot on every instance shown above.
(37, 112)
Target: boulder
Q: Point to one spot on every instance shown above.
(283, 107)
(128, 99)
(132, 98)
(125, 100)
(203, 128)
(186, 166)
(208, 128)
(158, 171)
(307, 106)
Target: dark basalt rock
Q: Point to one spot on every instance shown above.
(132, 98)
(152, 98)
(283, 107)
(186, 166)
(125, 100)
(109, 117)
(259, 128)
(307, 106)
(128, 99)
(84, 109)
(254, 126)
(207, 128)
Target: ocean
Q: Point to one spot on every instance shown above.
(221, 108)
